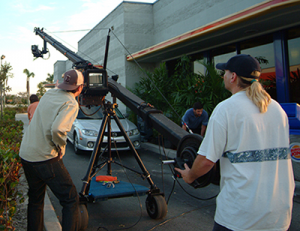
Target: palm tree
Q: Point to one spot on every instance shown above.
(29, 74)
(5, 73)
(41, 89)
(50, 78)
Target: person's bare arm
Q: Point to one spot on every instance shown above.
(203, 129)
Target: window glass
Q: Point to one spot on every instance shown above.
(90, 113)
(223, 54)
(294, 60)
(198, 67)
(262, 49)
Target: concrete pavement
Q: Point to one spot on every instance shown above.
(51, 222)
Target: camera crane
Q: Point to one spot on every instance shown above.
(97, 85)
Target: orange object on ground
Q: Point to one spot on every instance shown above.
(106, 178)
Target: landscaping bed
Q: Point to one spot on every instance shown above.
(11, 184)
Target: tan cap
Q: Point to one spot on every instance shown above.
(72, 80)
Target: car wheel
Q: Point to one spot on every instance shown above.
(75, 144)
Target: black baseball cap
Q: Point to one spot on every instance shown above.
(243, 65)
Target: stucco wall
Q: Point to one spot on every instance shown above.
(175, 17)
(132, 31)
(60, 67)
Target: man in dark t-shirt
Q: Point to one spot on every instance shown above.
(195, 119)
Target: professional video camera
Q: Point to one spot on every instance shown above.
(95, 87)
(36, 52)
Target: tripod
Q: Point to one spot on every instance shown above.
(155, 203)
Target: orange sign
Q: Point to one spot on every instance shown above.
(295, 151)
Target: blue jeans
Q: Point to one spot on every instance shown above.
(54, 174)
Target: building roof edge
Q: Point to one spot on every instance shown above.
(237, 17)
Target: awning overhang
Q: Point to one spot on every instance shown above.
(263, 18)
(49, 85)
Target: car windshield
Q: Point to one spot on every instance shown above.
(95, 112)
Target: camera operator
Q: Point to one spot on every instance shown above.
(249, 133)
(42, 149)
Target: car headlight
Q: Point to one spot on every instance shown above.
(133, 132)
(89, 132)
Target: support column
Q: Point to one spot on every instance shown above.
(281, 66)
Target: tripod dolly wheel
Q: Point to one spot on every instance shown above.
(156, 206)
(83, 219)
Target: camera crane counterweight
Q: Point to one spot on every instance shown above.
(97, 85)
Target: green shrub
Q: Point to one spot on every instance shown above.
(10, 140)
(150, 86)
(14, 110)
(182, 89)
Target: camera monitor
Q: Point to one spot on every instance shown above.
(95, 80)
(95, 86)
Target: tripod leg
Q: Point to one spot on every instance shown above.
(87, 178)
(136, 155)
(109, 171)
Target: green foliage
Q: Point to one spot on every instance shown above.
(41, 90)
(132, 117)
(182, 89)
(18, 99)
(190, 87)
(184, 86)
(5, 73)
(50, 78)
(11, 136)
(210, 88)
(10, 113)
(28, 74)
(150, 86)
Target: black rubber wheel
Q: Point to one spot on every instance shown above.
(191, 141)
(156, 206)
(187, 150)
(75, 145)
(83, 217)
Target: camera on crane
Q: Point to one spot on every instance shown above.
(36, 52)
(39, 53)
(95, 76)
(95, 87)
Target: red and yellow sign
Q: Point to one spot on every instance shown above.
(295, 151)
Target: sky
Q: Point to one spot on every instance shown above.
(18, 18)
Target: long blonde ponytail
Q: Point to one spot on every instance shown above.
(256, 93)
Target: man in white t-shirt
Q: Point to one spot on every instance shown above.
(249, 134)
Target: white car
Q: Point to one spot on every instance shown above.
(85, 129)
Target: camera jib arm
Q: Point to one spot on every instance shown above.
(95, 78)
(77, 60)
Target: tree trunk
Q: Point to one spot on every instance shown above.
(28, 91)
(1, 101)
